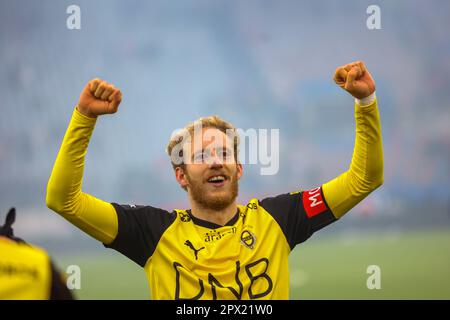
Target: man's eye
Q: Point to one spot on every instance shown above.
(227, 155)
(199, 157)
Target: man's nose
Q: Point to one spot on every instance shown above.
(214, 161)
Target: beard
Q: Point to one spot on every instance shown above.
(218, 200)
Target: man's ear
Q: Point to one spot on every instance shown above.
(181, 177)
(240, 170)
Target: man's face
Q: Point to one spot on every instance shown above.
(211, 173)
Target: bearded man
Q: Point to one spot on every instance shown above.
(217, 249)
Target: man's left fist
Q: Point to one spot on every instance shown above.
(355, 79)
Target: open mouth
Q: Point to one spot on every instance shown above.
(217, 180)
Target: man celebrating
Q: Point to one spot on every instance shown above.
(217, 249)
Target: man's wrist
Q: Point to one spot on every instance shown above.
(82, 117)
(366, 101)
(84, 113)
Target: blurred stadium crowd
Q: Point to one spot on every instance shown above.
(258, 64)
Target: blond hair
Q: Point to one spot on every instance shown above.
(214, 122)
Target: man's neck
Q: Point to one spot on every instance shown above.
(220, 217)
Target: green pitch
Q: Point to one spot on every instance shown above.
(413, 266)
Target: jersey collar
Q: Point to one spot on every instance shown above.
(212, 225)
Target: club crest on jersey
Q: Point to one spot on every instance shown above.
(248, 239)
(184, 217)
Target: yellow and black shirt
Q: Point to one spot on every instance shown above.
(188, 258)
(27, 272)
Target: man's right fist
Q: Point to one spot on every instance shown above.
(99, 97)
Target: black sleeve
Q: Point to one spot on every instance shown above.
(299, 214)
(140, 228)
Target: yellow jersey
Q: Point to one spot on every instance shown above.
(188, 258)
(185, 257)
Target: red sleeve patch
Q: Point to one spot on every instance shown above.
(313, 202)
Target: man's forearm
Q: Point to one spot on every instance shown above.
(64, 185)
(64, 194)
(366, 169)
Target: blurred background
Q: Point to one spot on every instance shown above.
(257, 64)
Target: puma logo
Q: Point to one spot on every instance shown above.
(190, 245)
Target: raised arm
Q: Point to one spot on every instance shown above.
(64, 196)
(365, 173)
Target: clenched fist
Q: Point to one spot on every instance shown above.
(355, 79)
(99, 97)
